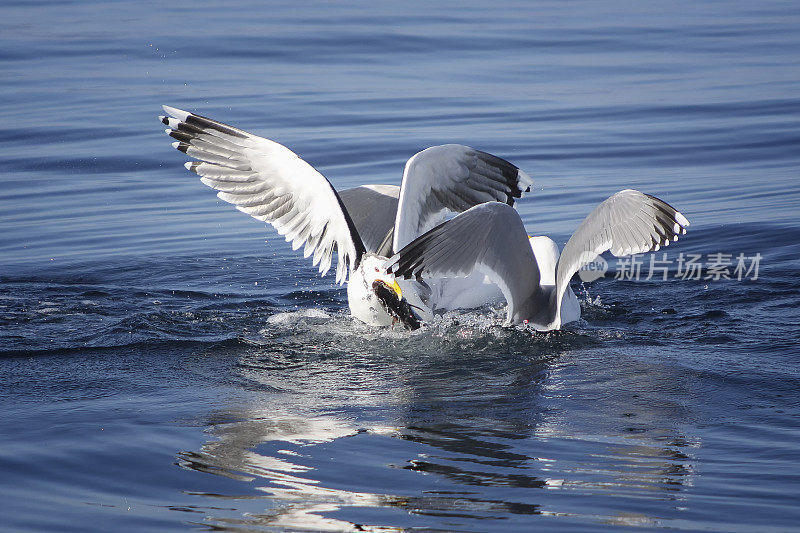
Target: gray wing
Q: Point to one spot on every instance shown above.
(629, 222)
(452, 177)
(373, 209)
(489, 238)
(271, 183)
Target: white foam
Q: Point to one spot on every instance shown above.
(294, 317)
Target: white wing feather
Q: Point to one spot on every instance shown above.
(452, 177)
(628, 222)
(271, 183)
(489, 238)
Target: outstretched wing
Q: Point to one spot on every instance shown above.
(271, 183)
(489, 238)
(373, 209)
(629, 222)
(453, 177)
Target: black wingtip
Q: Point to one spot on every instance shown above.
(204, 122)
(181, 136)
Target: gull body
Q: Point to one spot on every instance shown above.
(362, 225)
(490, 239)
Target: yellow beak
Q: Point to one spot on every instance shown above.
(396, 288)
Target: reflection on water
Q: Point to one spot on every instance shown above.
(458, 436)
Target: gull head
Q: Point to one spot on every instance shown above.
(376, 298)
(391, 298)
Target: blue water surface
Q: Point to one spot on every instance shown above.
(169, 363)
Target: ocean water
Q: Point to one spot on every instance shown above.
(168, 363)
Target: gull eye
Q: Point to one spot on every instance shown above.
(376, 269)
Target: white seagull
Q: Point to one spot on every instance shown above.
(271, 183)
(490, 239)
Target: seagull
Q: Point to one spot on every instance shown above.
(364, 224)
(534, 278)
